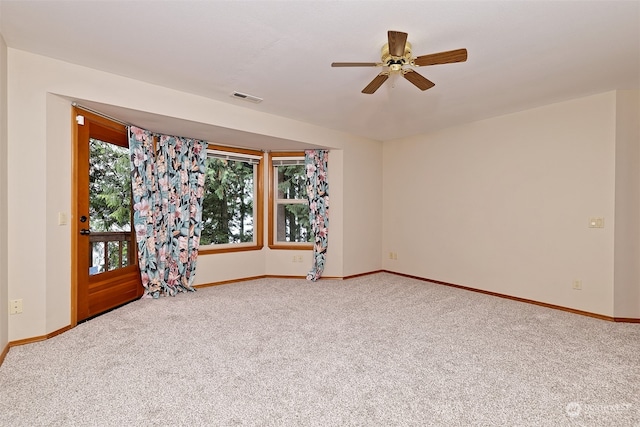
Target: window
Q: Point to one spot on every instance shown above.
(109, 206)
(232, 204)
(289, 226)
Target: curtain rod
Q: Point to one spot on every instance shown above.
(98, 113)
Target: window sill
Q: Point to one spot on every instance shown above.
(292, 246)
(213, 250)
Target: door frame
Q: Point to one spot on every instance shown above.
(80, 158)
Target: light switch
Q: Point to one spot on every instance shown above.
(62, 218)
(596, 222)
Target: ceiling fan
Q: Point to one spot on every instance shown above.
(396, 54)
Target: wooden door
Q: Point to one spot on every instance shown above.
(105, 269)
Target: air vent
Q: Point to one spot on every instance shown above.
(246, 97)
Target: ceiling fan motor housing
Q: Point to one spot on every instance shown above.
(395, 63)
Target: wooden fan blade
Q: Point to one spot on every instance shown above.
(418, 80)
(458, 55)
(356, 64)
(397, 42)
(375, 83)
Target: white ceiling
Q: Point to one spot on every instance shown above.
(522, 54)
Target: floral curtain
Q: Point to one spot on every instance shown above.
(168, 176)
(318, 195)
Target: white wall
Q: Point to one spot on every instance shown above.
(4, 283)
(627, 202)
(362, 209)
(57, 301)
(503, 204)
(39, 175)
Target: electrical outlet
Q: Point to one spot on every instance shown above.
(15, 306)
(299, 258)
(577, 285)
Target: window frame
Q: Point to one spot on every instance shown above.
(273, 244)
(258, 207)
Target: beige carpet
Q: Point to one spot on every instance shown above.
(379, 350)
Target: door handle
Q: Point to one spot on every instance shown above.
(85, 231)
